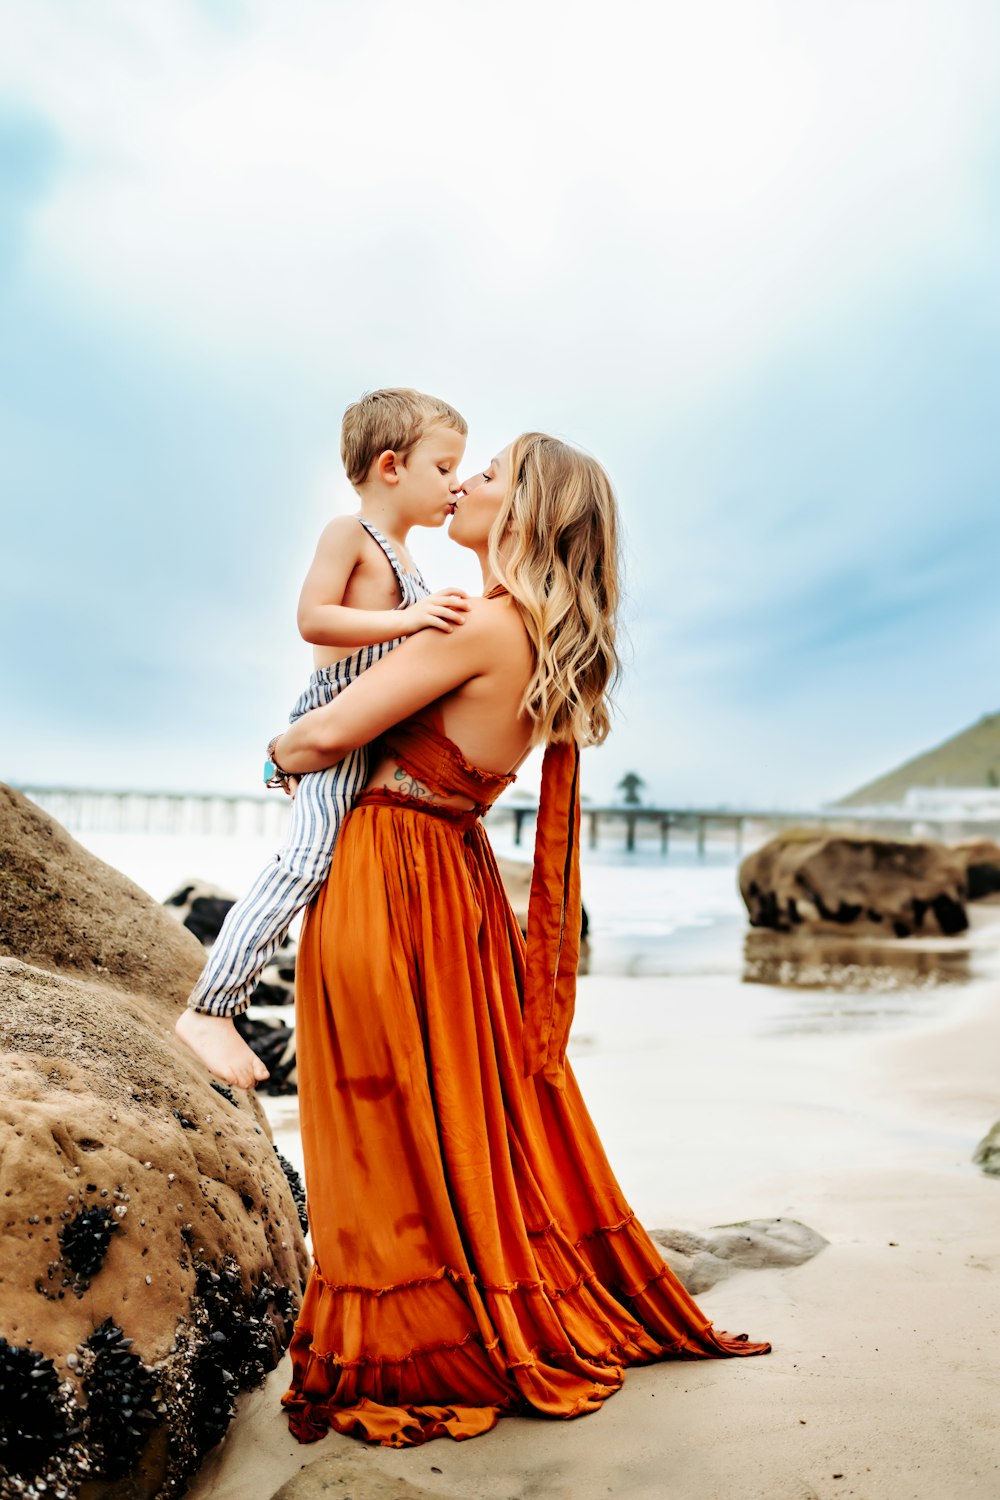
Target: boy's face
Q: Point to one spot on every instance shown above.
(429, 478)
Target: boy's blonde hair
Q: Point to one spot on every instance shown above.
(555, 547)
(395, 419)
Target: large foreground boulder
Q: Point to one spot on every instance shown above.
(830, 882)
(151, 1252)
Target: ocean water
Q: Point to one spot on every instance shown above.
(672, 916)
(650, 914)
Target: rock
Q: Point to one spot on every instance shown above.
(151, 1255)
(700, 1260)
(981, 861)
(63, 910)
(516, 877)
(274, 1044)
(830, 882)
(341, 1476)
(203, 908)
(987, 1153)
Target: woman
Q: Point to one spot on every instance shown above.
(473, 1251)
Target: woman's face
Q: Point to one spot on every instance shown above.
(478, 503)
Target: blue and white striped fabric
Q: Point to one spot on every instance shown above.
(257, 924)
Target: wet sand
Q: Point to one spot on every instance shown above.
(854, 1110)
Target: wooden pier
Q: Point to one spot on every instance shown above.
(214, 815)
(697, 823)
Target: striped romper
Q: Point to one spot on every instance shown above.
(258, 923)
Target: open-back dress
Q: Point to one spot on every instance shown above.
(473, 1253)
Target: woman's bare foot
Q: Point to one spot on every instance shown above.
(219, 1045)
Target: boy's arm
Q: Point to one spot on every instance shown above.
(393, 688)
(323, 620)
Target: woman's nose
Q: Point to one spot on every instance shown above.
(468, 485)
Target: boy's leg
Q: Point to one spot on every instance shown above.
(259, 921)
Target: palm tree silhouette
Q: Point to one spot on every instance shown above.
(630, 784)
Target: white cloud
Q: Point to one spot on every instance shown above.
(668, 186)
(604, 220)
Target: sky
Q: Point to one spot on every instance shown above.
(745, 253)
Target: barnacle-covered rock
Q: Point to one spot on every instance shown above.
(129, 1182)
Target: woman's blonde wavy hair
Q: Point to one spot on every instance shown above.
(554, 546)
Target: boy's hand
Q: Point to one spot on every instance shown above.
(443, 611)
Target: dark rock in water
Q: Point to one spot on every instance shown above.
(203, 908)
(987, 1153)
(127, 1176)
(700, 1260)
(206, 917)
(981, 860)
(274, 1044)
(832, 882)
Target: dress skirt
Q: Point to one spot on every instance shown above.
(473, 1252)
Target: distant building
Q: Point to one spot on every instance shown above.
(954, 801)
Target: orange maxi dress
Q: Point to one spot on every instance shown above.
(473, 1253)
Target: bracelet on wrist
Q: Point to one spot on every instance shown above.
(274, 776)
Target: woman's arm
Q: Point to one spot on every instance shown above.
(429, 665)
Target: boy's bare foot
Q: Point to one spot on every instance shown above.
(219, 1045)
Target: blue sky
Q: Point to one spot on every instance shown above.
(748, 257)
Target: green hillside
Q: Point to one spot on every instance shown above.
(971, 758)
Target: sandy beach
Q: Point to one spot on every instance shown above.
(854, 1112)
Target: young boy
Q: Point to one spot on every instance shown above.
(402, 452)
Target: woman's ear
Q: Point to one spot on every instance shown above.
(387, 467)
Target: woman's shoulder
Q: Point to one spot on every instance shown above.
(496, 612)
(496, 623)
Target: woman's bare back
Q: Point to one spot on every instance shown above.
(481, 717)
